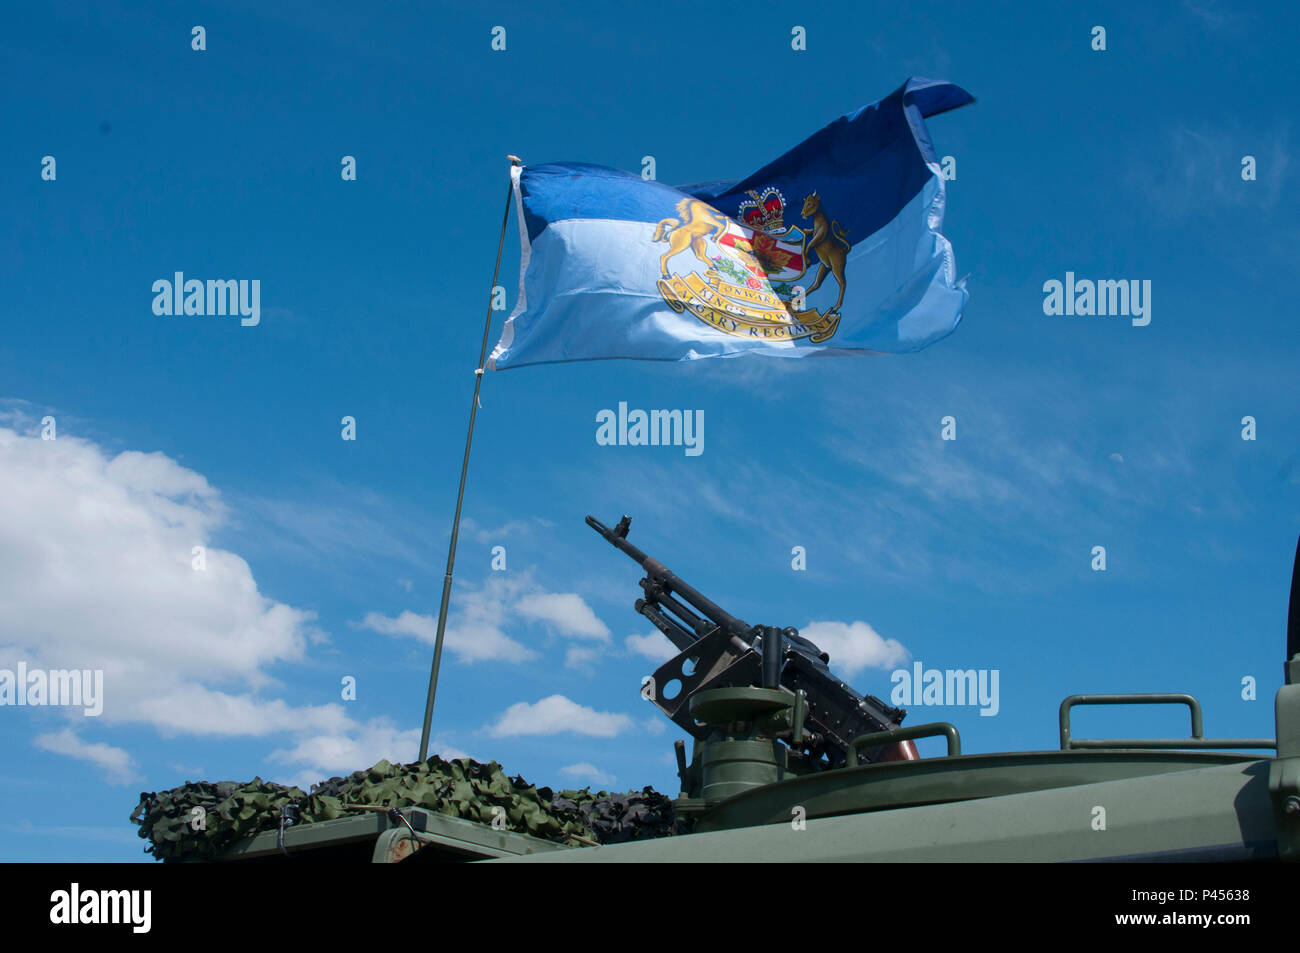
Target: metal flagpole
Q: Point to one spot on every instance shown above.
(460, 493)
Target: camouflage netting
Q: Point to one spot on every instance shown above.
(461, 788)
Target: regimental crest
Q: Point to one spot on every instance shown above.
(751, 264)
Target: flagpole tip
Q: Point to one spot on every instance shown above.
(515, 160)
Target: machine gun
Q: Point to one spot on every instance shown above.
(718, 650)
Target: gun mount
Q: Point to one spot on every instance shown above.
(765, 692)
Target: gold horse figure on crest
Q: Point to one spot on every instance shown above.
(697, 221)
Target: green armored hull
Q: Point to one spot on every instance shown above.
(1113, 804)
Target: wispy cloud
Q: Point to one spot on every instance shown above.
(555, 715)
(114, 762)
(334, 526)
(1198, 170)
(1210, 14)
(565, 612)
(588, 772)
(581, 659)
(654, 646)
(476, 628)
(476, 637)
(502, 532)
(878, 493)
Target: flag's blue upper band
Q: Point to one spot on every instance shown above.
(852, 157)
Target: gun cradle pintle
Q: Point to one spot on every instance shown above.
(719, 651)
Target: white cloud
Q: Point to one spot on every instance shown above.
(476, 636)
(655, 646)
(341, 752)
(854, 646)
(555, 715)
(445, 749)
(511, 529)
(586, 771)
(114, 762)
(581, 658)
(476, 627)
(190, 708)
(566, 612)
(96, 571)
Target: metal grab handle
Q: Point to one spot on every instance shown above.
(1197, 739)
(933, 730)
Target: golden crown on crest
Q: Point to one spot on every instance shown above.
(764, 213)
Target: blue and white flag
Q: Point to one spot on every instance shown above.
(834, 248)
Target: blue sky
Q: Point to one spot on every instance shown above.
(975, 553)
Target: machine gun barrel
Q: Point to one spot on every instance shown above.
(661, 584)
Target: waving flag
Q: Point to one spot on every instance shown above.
(834, 248)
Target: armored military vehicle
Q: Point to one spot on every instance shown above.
(789, 763)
